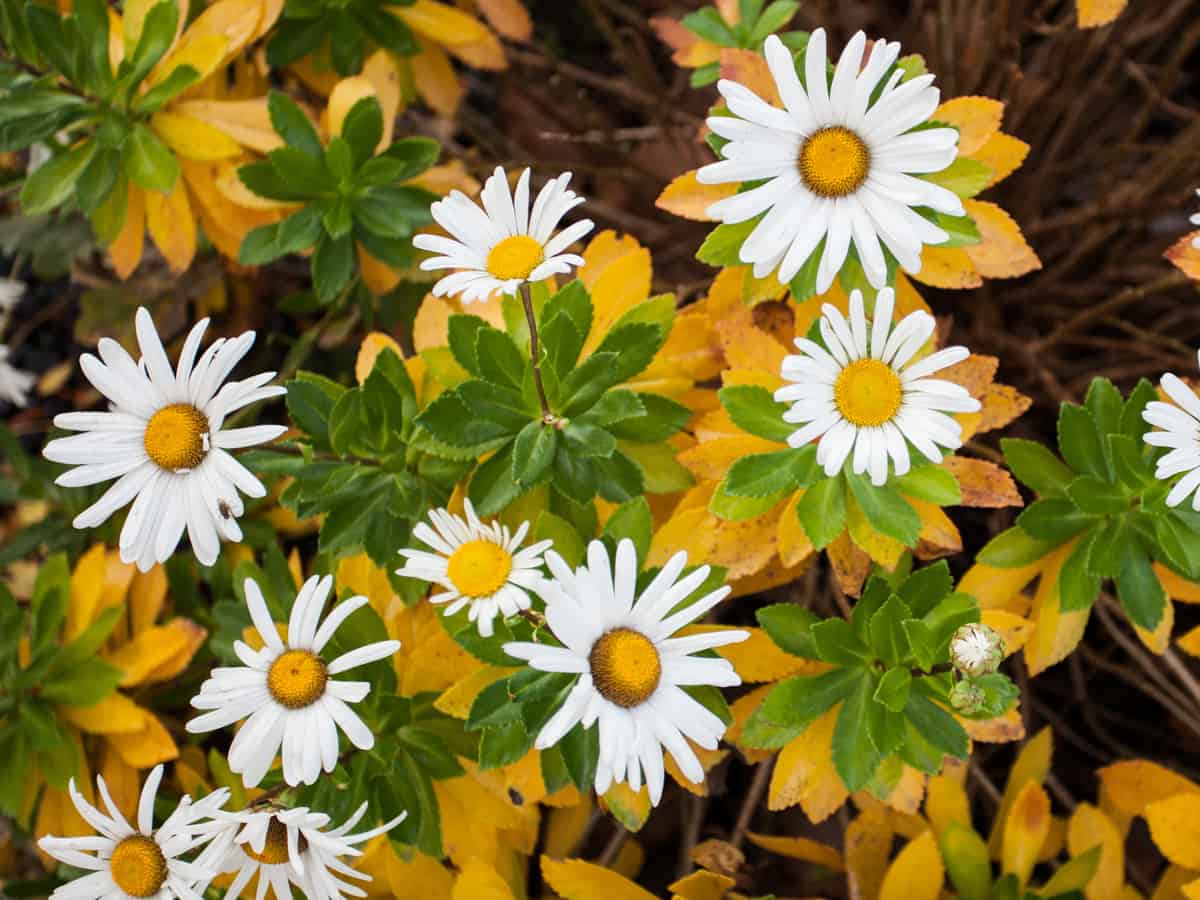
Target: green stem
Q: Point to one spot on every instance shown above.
(534, 354)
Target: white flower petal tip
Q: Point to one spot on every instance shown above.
(1177, 428)
(841, 163)
(864, 397)
(163, 441)
(15, 384)
(287, 693)
(503, 241)
(632, 670)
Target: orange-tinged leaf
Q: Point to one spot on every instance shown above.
(479, 881)
(1190, 642)
(146, 748)
(1014, 629)
(850, 564)
(1003, 154)
(1001, 404)
(122, 781)
(203, 52)
(1156, 641)
(800, 848)
(749, 69)
(947, 268)
(701, 886)
(1134, 784)
(575, 879)
(435, 79)
(792, 542)
(158, 653)
(1055, 633)
(1175, 827)
(457, 699)
(418, 878)
(690, 51)
(711, 459)
(745, 547)
(976, 373)
(565, 827)
(774, 574)
(946, 802)
(509, 17)
(1003, 252)
(1184, 256)
(1094, 13)
(741, 710)
(748, 347)
(126, 251)
(147, 593)
(983, 483)
(976, 118)
(917, 872)
(247, 122)
(999, 588)
(1025, 830)
(172, 225)
(1171, 884)
(868, 848)
(689, 199)
(1176, 586)
(192, 138)
(1031, 765)
(442, 23)
(938, 535)
(708, 759)
(1087, 828)
(115, 714)
(692, 530)
(804, 772)
(373, 344)
(602, 251)
(1000, 730)
(486, 53)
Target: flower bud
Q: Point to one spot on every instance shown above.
(976, 650)
(967, 697)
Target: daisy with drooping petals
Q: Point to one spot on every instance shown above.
(632, 672)
(1180, 424)
(286, 693)
(479, 565)
(836, 165)
(286, 847)
(136, 862)
(862, 392)
(163, 442)
(505, 244)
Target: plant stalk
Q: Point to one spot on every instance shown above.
(535, 353)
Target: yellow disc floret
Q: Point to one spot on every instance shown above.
(625, 667)
(138, 866)
(834, 162)
(175, 437)
(297, 678)
(515, 257)
(275, 848)
(479, 568)
(868, 393)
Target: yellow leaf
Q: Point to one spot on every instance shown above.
(946, 802)
(983, 484)
(748, 347)
(158, 653)
(1088, 828)
(623, 284)
(741, 709)
(345, 94)
(1175, 827)
(380, 70)
(1003, 252)
(1000, 730)
(917, 872)
(147, 594)
(475, 811)
(435, 79)
(1172, 882)
(236, 21)
(758, 658)
(457, 699)
(126, 251)
(123, 783)
(629, 807)
(87, 585)
(792, 542)
(575, 879)
(1001, 404)
(745, 547)
(883, 550)
(711, 459)
(1134, 784)
(509, 17)
(373, 344)
(146, 748)
(996, 588)
(804, 772)
(1055, 633)
(565, 827)
(172, 226)
(868, 848)
(1003, 154)
(204, 53)
(938, 535)
(1156, 641)
(850, 564)
(689, 199)
(1176, 586)
(1013, 628)
(1025, 830)
(701, 886)
(1190, 642)
(1031, 765)
(800, 848)
(750, 70)
(976, 373)
(479, 881)
(947, 268)
(419, 877)
(1185, 257)
(692, 530)
(247, 122)
(441, 23)
(976, 118)
(1094, 13)
(115, 714)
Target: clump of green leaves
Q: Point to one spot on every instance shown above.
(599, 438)
(350, 194)
(31, 735)
(1101, 493)
(105, 114)
(349, 26)
(757, 20)
(891, 674)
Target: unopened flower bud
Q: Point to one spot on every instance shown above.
(976, 650)
(967, 697)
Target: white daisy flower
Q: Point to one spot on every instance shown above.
(504, 244)
(163, 442)
(15, 384)
(631, 670)
(286, 693)
(11, 292)
(1180, 424)
(286, 847)
(127, 862)
(862, 392)
(479, 565)
(835, 164)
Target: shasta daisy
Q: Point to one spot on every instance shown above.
(1180, 432)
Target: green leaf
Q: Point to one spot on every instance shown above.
(148, 162)
(533, 452)
(1055, 519)
(1132, 424)
(892, 690)
(567, 542)
(794, 703)
(753, 409)
(734, 508)
(293, 125)
(98, 180)
(498, 358)
(708, 24)
(462, 333)
(1139, 590)
(339, 160)
(967, 861)
(921, 642)
(887, 637)
(930, 483)
(83, 685)
(362, 129)
(449, 420)
(790, 627)
(179, 80)
(619, 478)
(965, 177)
(158, 33)
(1096, 496)
(332, 266)
(589, 440)
(927, 587)
(1013, 548)
(836, 643)
(581, 752)
(854, 753)
(1107, 553)
(962, 230)
(885, 509)
(310, 400)
(1073, 875)
(661, 471)
(803, 285)
(822, 511)
(51, 184)
(501, 405)
(1036, 467)
(661, 418)
(936, 725)
(1078, 588)
(1079, 441)
(632, 520)
(415, 153)
(772, 19)
(767, 474)
(492, 486)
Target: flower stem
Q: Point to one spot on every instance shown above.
(534, 352)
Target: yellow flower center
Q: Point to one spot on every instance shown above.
(479, 568)
(297, 678)
(275, 848)
(514, 257)
(138, 866)
(625, 667)
(868, 393)
(175, 437)
(834, 162)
